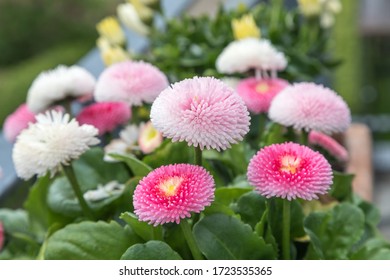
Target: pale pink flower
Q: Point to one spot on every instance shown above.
(131, 82)
(58, 84)
(291, 171)
(149, 138)
(203, 112)
(310, 106)
(17, 121)
(170, 193)
(329, 144)
(105, 116)
(258, 93)
(1, 236)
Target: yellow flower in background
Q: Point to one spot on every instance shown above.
(310, 8)
(109, 28)
(113, 55)
(144, 12)
(128, 15)
(245, 27)
(324, 9)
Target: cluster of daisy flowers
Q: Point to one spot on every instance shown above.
(204, 112)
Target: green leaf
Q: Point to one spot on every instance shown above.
(373, 249)
(251, 207)
(173, 235)
(216, 208)
(222, 237)
(228, 195)
(169, 153)
(14, 220)
(21, 243)
(61, 199)
(142, 229)
(275, 219)
(342, 186)
(90, 241)
(151, 250)
(92, 170)
(40, 215)
(334, 233)
(138, 167)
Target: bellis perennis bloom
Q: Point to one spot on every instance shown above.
(289, 171)
(53, 140)
(329, 144)
(105, 116)
(203, 112)
(250, 53)
(58, 84)
(170, 193)
(17, 121)
(1, 236)
(310, 106)
(258, 93)
(130, 82)
(149, 138)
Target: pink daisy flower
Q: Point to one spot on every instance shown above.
(1, 236)
(203, 112)
(105, 116)
(329, 144)
(131, 82)
(170, 193)
(17, 121)
(310, 106)
(290, 170)
(149, 138)
(258, 93)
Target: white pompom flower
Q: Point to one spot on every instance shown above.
(52, 141)
(55, 85)
(250, 53)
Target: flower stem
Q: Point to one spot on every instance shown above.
(286, 229)
(304, 137)
(69, 173)
(185, 227)
(198, 156)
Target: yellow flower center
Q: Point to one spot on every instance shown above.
(170, 186)
(245, 27)
(262, 87)
(290, 164)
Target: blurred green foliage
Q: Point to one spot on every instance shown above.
(28, 27)
(191, 45)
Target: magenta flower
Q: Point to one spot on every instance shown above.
(130, 82)
(105, 116)
(203, 112)
(329, 144)
(310, 106)
(1, 236)
(258, 93)
(17, 121)
(289, 170)
(170, 193)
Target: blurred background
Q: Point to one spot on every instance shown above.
(37, 35)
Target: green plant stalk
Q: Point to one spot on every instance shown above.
(185, 227)
(198, 156)
(71, 176)
(156, 233)
(304, 137)
(286, 229)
